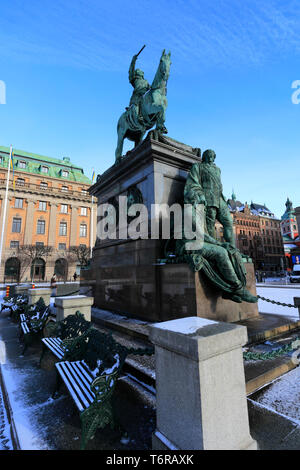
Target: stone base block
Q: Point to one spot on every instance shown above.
(69, 305)
(200, 386)
(166, 292)
(35, 294)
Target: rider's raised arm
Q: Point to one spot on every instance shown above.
(132, 70)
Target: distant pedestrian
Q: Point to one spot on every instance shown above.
(75, 276)
(53, 284)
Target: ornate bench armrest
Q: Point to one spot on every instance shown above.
(103, 386)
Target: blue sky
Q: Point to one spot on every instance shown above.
(65, 65)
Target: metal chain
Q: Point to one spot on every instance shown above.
(251, 356)
(276, 303)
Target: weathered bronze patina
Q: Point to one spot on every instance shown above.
(221, 262)
(147, 104)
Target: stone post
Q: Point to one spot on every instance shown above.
(35, 294)
(69, 305)
(200, 386)
(297, 304)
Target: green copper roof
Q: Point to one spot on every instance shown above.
(35, 162)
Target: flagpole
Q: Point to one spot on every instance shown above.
(5, 205)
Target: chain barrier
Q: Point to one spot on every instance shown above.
(276, 302)
(253, 356)
(292, 346)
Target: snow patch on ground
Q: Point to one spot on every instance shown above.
(5, 440)
(28, 434)
(280, 294)
(283, 395)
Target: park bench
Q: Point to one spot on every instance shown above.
(33, 327)
(68, 328)
(91, 376)
(14, 303)
(32, 311)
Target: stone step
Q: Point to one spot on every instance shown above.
(258, 373)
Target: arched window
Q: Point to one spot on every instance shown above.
(38, 269)
(61, 268)
(12, 269)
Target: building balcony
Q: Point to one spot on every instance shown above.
(36, 188)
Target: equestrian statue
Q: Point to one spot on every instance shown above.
(147, 105)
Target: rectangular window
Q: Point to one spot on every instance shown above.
(64, 173)
(16, 225)
(44, 169)
(39, 244)
(62, 246)
(19, 203)
(22, 165)
(14, 244)
(83, 230)
(65, 188)
(42, 205)
(20, 181)
(43, 185)
(84, 191)
(83, 211)
(63, 229)
(64, 208)
(41, 224)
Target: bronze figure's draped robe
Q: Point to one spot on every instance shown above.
(221, 262)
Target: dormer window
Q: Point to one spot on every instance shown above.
(64, 173)
(21, 164)
(44, 169)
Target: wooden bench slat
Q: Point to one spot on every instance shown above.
(54, 344)
(24, 327)
(78, 387)
(83, 382)
(85, 377)
(69, 386)
(81, 390)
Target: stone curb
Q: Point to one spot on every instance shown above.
(9, 411)
(253, 385)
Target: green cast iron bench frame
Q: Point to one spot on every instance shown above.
(33, 327)
(91, 377)
(14, 304)
(68, 328)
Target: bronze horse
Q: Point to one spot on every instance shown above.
(153, 106)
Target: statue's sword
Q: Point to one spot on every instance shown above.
(141, 50)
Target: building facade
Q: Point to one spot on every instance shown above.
(290, 234)
(258, 234)
(48, 211)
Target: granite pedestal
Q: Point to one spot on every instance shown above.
(69, 305)
(35, 294)
(200, 386)
(124, 273)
